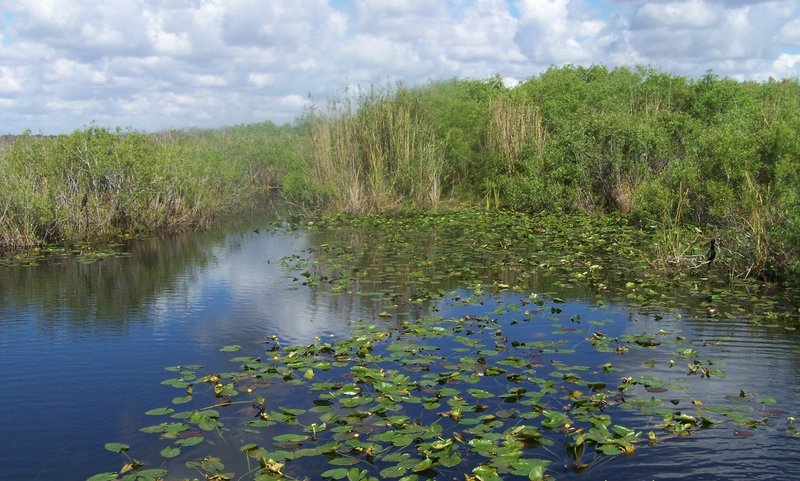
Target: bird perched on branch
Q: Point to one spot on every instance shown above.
(712, 252)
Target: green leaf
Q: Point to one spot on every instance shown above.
(160, 411)
(393, 472)
(151, 474)
(192, 441)
(290, 438)
(244, 359)
(336, 473)
(116, 447)
(623, 431)
(231, 348)
(534, 469)
(487, 473)
(248, 447)
(293, 412)
(170, 452)
(423, 465)
(450, 461)
(480, 393)
(353, 474)
(610, 449)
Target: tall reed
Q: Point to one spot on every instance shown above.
(749, 238)
(374, 151)
(673, 242)
(513, 126)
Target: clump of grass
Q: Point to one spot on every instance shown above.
(751, 248)
(374, 152)
(513, 126)
(673, 243)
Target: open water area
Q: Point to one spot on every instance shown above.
(84, 343)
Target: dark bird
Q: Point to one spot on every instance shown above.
(712, 252)
(257, 231)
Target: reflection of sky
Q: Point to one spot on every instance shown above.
(245, 297)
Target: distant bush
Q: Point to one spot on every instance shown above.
(630, 140)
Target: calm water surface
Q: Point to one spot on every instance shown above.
(83, 347)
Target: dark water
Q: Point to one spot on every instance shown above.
(83, 347)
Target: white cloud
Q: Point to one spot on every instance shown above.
(735, 38)
(790, 33)
(208, 80)
(689, 14)
(261, 79)
(552, 32)
(786, 65)
(10, 81)
(153, 64)
(74, 106)
(370, 53)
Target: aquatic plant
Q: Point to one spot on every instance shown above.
(433, 397)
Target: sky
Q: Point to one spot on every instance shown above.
(151, 65)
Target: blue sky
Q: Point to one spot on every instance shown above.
(150, 65)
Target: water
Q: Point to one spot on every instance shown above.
(83, 347)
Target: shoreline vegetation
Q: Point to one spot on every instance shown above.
(685, 160)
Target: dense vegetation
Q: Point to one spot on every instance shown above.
(687, 159)
(97, 184)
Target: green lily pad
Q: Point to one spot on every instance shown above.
(170, 452)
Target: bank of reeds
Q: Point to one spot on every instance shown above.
(96, 184)
(373, 152)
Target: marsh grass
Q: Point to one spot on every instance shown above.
(674, 244)
(374, 152)
(96, 184)
(751, 247)
(514, 126)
